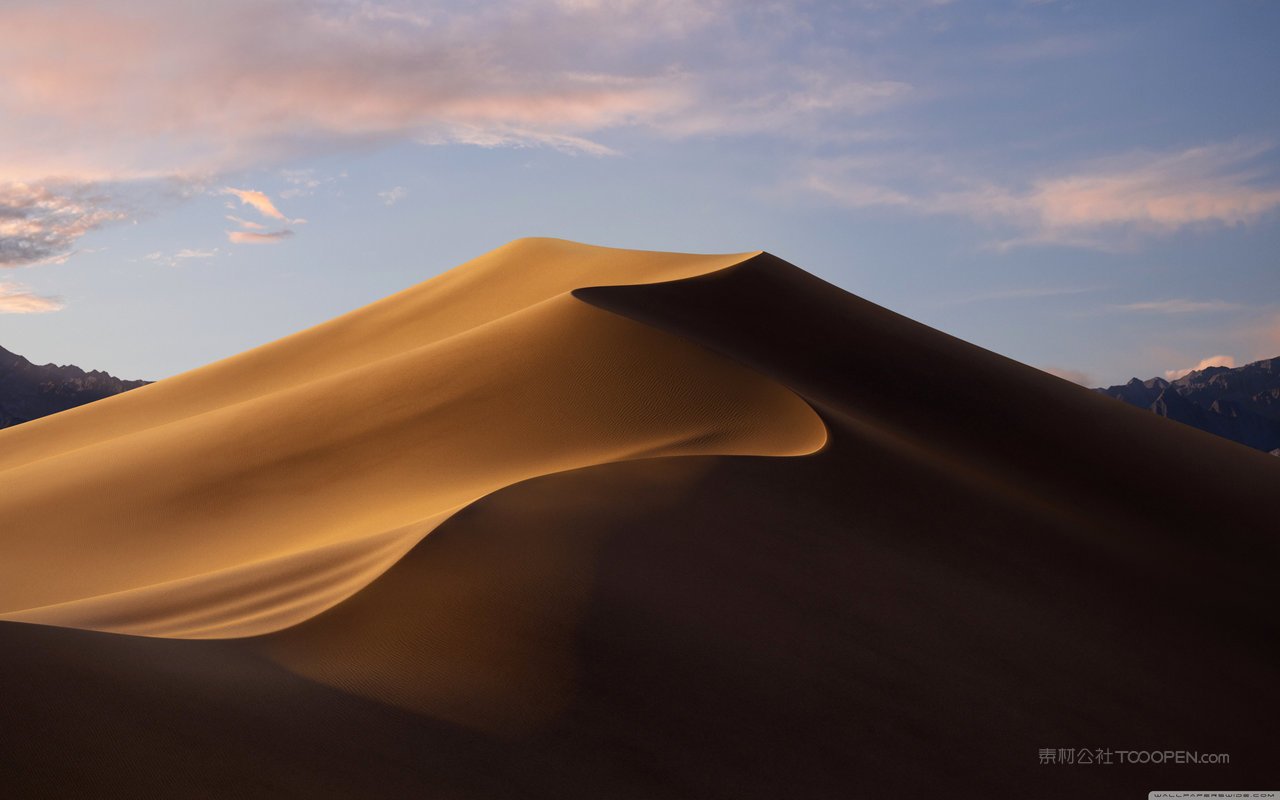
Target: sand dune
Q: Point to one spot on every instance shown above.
(197, 520)
(618, 597)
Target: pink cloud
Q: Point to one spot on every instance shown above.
(1166, 192)
(258, 200)
(263, 80)
(246, 223)
(1211, 361)
(1177, 306)
(251, 237)
(1101, 206)
(124, 91)
(17, 299)
(253, 232)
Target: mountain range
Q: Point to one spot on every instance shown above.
(30, 391)
(1241, 403)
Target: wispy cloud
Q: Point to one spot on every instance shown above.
(560, 74)
(1212, 184)
(1211, 361)
(247, 224)
(304, 182)
(555, 73)
(250, 237)
(393, 195)
(40, 224)
(167, 103)
(1176, 306)
(1103, 205)
(254, 232)
(181, 256)
(259, 201)
(18, 299)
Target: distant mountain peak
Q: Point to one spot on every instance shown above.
(29, 391)
(1237, 403)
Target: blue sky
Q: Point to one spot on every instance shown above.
(1092, 188)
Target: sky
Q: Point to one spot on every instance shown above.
(1091, 188)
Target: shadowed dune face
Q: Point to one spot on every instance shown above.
(933, 589)
(241, 519)
(935, 593)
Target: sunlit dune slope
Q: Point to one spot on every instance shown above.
(248, 495)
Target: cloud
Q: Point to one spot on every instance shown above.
(793, 102)
(185, 254)
(247, 224)
(253, 232)
(17, 299)
(265, 82)
(304, 182)
(41, 224)
(250, 237)
(1177, 306)
(1211, 361)
(1104, 205)
(1073, 375)
(1163, 193)
(393, 195)
(123, 92)
(258, 200)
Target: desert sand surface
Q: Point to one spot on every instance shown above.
(572, 521)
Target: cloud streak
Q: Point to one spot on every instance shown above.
(1211, 361)
(123, 92)
(1104, 205)
(18, 299)
(254, 232)
(165, 102)
(251, 237)
(263, 82)
(41, 224)
(393, 195)
(259, 201)
(181, 256)
(1176, 306)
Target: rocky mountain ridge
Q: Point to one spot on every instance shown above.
(30, 391)
(1237, 403)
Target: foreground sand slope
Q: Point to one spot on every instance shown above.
(950, 584)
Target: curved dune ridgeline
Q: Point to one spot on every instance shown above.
(319, 460)
(508, 534)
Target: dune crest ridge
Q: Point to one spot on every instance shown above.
(254, 493)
